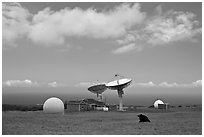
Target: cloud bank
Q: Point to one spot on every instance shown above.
(125, 24)
(195, 84)
(19, 83)
(29, 83)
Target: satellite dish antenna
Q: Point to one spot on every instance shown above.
(119, 85)
(98, 89)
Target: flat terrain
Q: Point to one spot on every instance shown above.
(165, 122)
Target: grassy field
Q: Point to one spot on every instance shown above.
(173, 122)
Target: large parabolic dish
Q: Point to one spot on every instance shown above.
(98, 90)
(119, 85)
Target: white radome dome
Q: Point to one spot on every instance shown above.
(53, 105)
(158, 102)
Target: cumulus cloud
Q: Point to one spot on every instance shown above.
(148, 84)
(198, 83)
(19, 83)
(15, 24)
(172, 26)
(49, 27)
(52, 27)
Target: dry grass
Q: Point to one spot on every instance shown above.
(174, 122)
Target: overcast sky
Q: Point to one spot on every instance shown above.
(63, 48)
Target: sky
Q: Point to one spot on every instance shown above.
(60, 49)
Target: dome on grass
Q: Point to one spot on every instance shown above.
(157, 102)
(53, 105)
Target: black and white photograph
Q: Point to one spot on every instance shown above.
(102, 68)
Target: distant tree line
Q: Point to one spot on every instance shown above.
(8, 107)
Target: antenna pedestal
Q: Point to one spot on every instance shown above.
(120, 95)
(119, 85)
(99, 96)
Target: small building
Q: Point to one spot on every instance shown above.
(94, 104)
(77, 106)
(84, 105)
(163, 106)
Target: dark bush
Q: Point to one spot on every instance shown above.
(8, 107)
